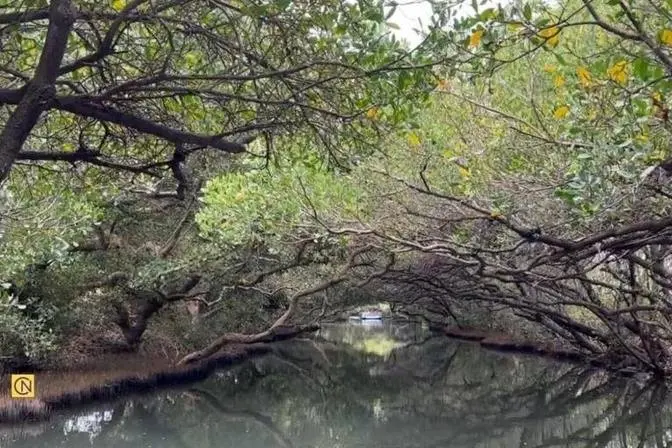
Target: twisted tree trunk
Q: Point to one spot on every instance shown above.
(39, 92)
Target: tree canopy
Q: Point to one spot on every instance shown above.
(108, 106)
(542, 192)
(138, 85)
(515, 163)
(105, 97)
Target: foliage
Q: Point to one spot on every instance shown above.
(108, 108)
(598, 96)
(539, 184)
(142, 87)
(44, 215)
(204, 82)
(22, 335)
(267, 203)
(533, 171)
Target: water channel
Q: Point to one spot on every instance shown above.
(374, 385)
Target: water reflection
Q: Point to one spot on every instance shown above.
(404, 389)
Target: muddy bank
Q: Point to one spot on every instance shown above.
(60, 390)
(505, 343)
(114, 376)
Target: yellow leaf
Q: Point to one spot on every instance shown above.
(655, 156)
(559, 81)
(551, 35)
(496, 214)
(619, 72)
(464, 172)
(553, 41)
(240, 196)
(118, 5)
(372, 113)
(561, 112)
(642, 138)
(665, 37)
(475, 38)
(192, 57)
(413, 139)
(584, 76)
(549, 68)
(656, 96)
(443, 85)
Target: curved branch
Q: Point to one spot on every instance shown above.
(40, 91)
(228, 338)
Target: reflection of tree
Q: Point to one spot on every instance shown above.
(257, 417)
(477, 401)
(429, 393)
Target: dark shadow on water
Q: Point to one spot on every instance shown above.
(386, 386)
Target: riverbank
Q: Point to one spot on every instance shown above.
(110, 376)
(503, 342)
(127, 375)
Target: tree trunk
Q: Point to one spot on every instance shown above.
(39, 92)
(133, 317)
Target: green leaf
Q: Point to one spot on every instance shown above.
(559, 58)
(541, 23)
(283, 4)
(641, 107)
(192, 58)
(640, 68)
(488, 14)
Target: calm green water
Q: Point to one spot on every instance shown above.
(368, 386)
